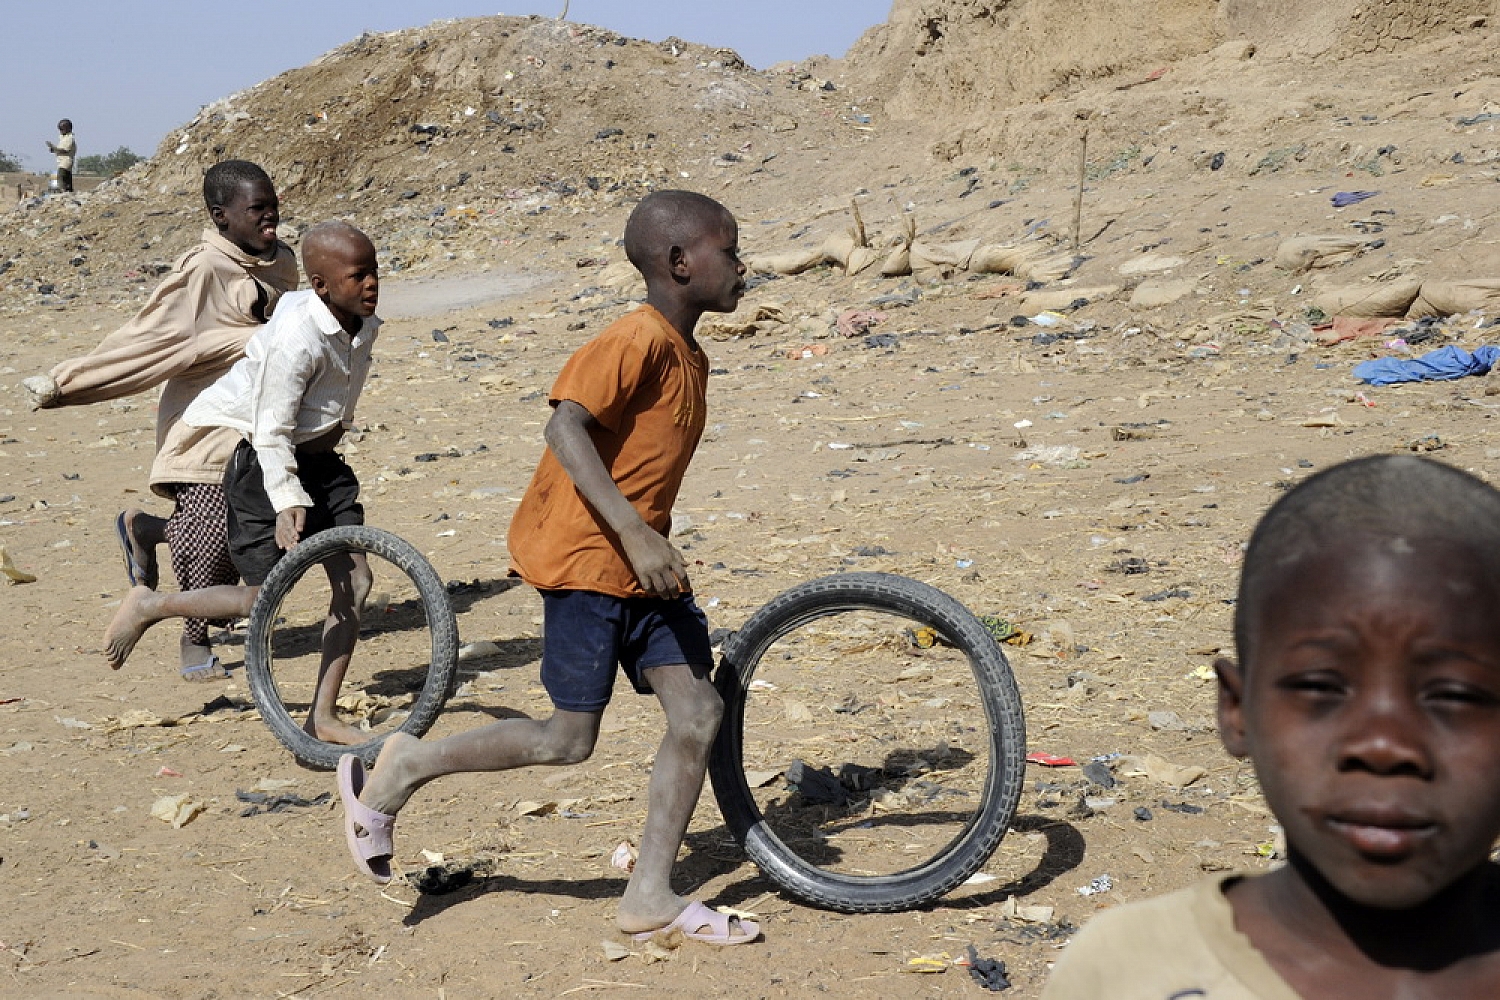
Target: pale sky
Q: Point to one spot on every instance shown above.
(127, 73)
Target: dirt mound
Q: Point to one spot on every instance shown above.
(1344, 27)
(969, 56)
(966, 55)
(444, 140)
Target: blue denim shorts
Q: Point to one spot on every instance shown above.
(586, 634)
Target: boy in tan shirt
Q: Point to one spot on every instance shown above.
(192, 330)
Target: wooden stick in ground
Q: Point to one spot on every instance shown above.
(860, 238)
(1083, 162)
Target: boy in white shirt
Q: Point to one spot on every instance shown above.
(292, 397)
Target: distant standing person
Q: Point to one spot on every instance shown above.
(191, 331)
(65, 148)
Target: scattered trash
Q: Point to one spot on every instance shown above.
(1099, 774)
(623, 857)
(1346, 198)
(264, 802)
(177, 810)
(1159, 769)
(1448, 362)
(1097, 886)
(857, 322)
(928, 964)
(478, 650)
(11, 571)
(816, 784)
(439, 880)
(987, 972)
(1029, 914)
(1048, 760)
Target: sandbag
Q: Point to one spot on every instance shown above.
(1030, 262)
(791, 262)
(897, 263)
(1385, 298)
(861, 259)
(935, 261)
(1061, 298)
(1303, 253)
(1445, 298)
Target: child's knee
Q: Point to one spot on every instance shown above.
(566, 741)
(698, 719)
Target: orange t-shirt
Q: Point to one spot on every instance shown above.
(648, 392)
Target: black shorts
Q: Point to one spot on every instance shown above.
(325, 476)
(586, 634)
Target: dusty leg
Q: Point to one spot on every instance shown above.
(197, 537)
(350, 579)
(407, 763)
(144, 607)
(693, 708)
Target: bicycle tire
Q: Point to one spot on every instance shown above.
(442, 671)
(975, 842)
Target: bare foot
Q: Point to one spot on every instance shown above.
(335, 731)
(127, 627)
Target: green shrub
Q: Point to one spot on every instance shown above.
(109, 165)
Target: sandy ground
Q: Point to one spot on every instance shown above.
(114, 902)
(1091, 478)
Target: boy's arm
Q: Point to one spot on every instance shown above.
(656, 562)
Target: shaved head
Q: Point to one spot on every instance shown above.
(1398, 500)
(327, 240)
(667, 219)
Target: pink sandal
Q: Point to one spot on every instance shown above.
(367, 831)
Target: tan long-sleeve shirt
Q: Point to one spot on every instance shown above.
(192, 330)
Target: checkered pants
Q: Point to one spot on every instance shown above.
(197, 534)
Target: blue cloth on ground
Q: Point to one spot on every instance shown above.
(1434, 366)
(1346, 198)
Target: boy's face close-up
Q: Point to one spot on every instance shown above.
(1370, 705)
(718, 273)
(250, 218)
(348, 280)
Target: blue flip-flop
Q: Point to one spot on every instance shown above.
(138, 575)
(210, 669)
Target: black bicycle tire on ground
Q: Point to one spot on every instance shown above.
(442, 669)
(974, 844)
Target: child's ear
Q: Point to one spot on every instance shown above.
(216, 213)
(677, 262)
(1231, 706)
(319, 285)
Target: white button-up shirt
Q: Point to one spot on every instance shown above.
(299, 379)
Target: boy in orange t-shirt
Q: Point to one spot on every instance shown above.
(591, 535)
